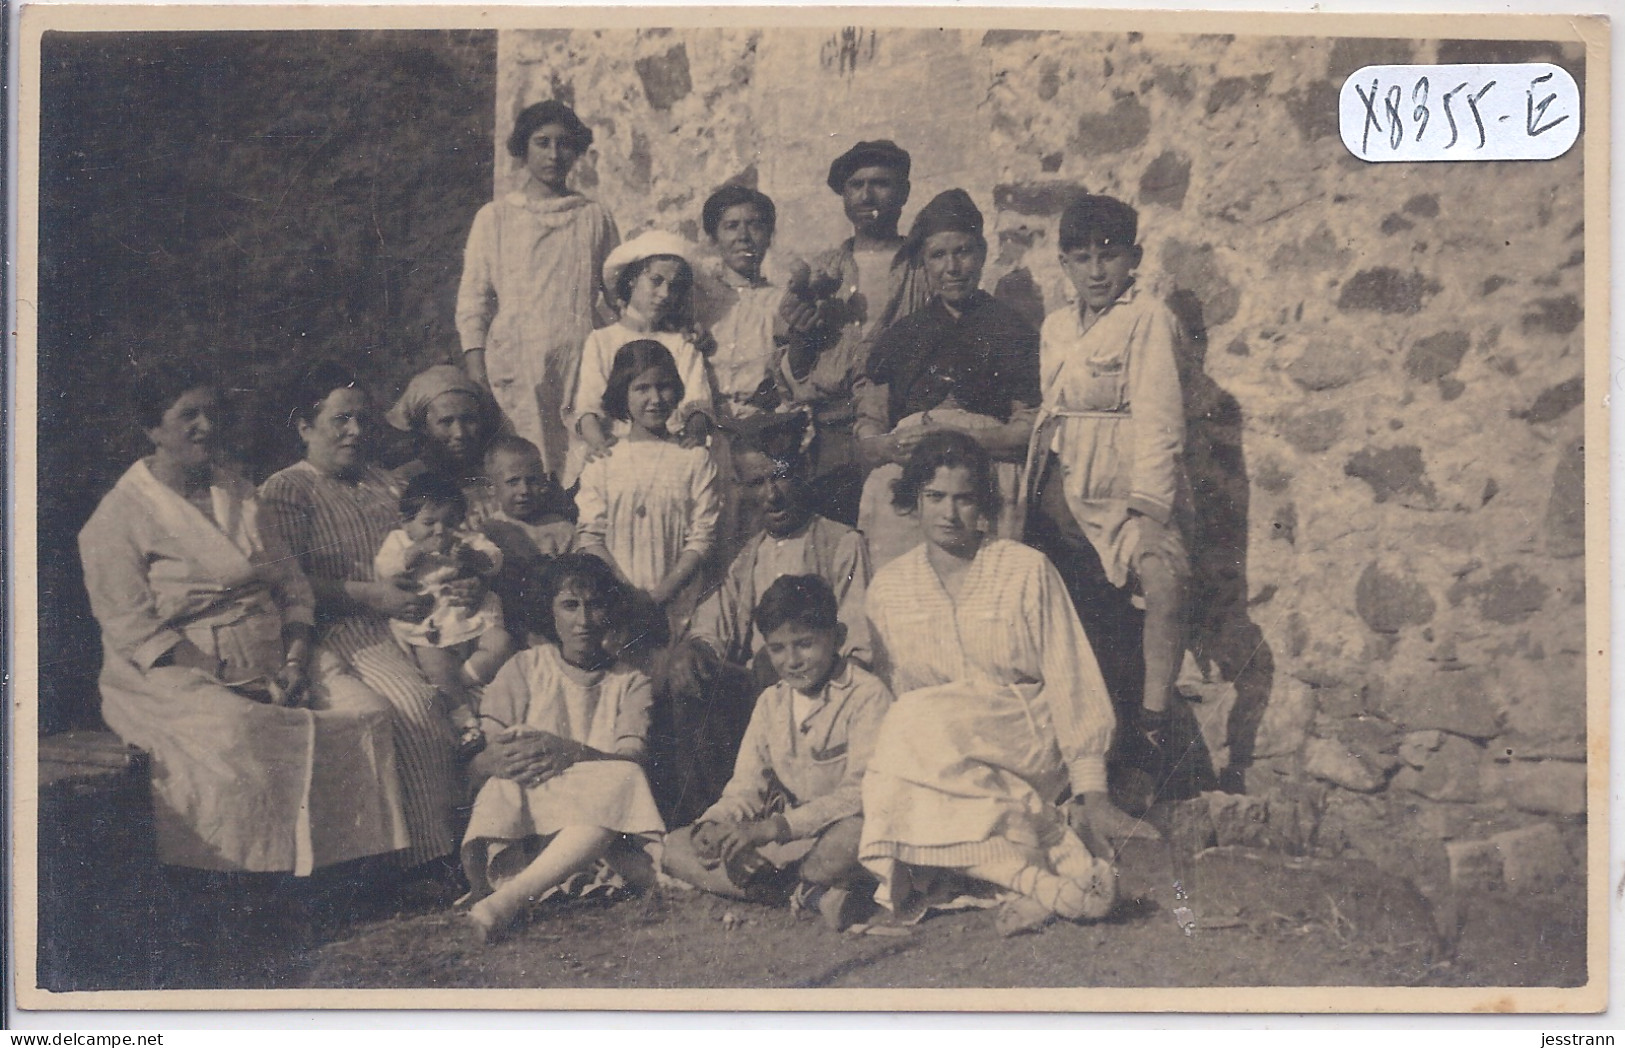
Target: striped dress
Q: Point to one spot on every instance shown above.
(1000, 707)
(334, 527)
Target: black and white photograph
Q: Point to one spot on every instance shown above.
(807, 509)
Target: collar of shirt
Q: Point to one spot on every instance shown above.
(805, 708)
(1088, 318)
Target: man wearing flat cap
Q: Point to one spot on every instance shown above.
(710, 682)
(837, 310)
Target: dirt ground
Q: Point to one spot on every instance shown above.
(1235, 917)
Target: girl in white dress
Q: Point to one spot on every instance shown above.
(569, 728)
(652, 280)
(650, 506)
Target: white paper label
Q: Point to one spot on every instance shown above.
(1511, 111)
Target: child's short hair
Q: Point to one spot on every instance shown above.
(509, 444)
(432, 489)
(632, 360)
(805, 600)
(683, 286)
(1098, 219)
(537, 593)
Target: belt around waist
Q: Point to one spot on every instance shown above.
(1080, 413)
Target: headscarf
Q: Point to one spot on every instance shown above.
(952, 211)
(409, 412)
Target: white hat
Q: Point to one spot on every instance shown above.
(648, 245)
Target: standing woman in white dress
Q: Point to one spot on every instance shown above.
(532, 287)
(1000, 710)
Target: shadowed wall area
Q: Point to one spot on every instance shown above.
(260, 200)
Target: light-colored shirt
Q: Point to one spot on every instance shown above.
(817, 754)
(1112, 409)
(1011, 623)
(826, 548)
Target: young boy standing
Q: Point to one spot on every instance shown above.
(796, 791)
(1106, 464)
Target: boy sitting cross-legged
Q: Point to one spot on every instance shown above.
(796, 788)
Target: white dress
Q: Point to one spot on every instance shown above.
(648, 502)
(598, 359)
(447, 623)
(1000, 706)
(605, 709)
(237, 784)
(531, 291)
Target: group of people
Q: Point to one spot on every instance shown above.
(770, 589)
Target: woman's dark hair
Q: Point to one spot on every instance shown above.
(541, 114)
(582, 569)
(432, 489)
(806, 600)
(632, 360)
(314, 387)
(683, 285)
(945, 449)
(734, 196)
(156, 389)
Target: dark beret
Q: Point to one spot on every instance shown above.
(883, 153)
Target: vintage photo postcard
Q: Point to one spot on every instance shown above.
(810, 509)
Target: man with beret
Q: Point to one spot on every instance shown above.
(712, 676)
(835, 312)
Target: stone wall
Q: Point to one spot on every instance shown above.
(1384, 389)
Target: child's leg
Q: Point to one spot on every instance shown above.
(571, 849)
(494, 647)
(834, 859)
(1164, 639)
(444, 668)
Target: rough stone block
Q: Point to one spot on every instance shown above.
(1327, 364)
(1388, 603)
(1372, 739)
(1419, 746)
(1545, 787)
(1331, 761)
(1286, 720)
(1555, 316)
(1462, 702)
(1313, 432)
(1386, 290)
(1516, 746)
(1166, 180)
(1535, 859)
(1036, 198)
(1122, 127)
(1394, 473)
(1509, 596)
(1432, 358)
(1450, 773)
(1475, 865)
(665, 77)
(1238, 818)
